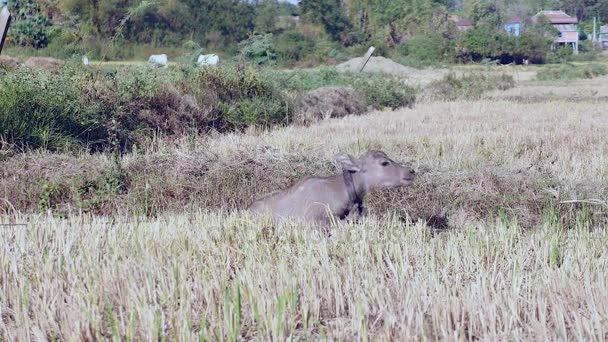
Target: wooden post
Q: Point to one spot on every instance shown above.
(366, 58)
(593, 38)
(5, 20)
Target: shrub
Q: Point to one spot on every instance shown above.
(379, 90)
(450, 87)
(293, 46)
(77, 107)
(93, 109)
(570, 71)
(258, 49)
(38, 109)
(424, 48)
(30, 26)
(246, 97)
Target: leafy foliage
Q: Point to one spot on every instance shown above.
(418, 32)
(93, 109)
(330, 14)
(31, 26)
(78, 107)
(259, 49)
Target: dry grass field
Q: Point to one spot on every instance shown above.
(520, 175)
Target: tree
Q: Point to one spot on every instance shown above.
(485, 13)
(330, 14)
(266, 15)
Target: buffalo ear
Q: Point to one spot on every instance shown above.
(347, 162)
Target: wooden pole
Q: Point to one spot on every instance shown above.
(5, 20)
(366, 58)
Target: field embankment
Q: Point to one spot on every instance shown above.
(476, 160)
(73, 107)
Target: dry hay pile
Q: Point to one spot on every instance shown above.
(44, 63)
(9, 62)
(328, 102)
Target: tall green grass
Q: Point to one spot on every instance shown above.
(78, 107)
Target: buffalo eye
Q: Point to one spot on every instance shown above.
(385, 163)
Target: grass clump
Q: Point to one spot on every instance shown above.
(77, 107)
(39, 109)
(328, 102)
(467, 87)
(378, 90)
(569, 71)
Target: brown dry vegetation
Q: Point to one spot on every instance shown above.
(221, 277)
(328, 102)
(476, 159)
(523, 185)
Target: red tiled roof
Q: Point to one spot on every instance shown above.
(514, 20)
(460, 21)
(558, 17)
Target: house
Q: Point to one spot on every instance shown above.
(604, 37)
(462, 24)
(565, 24)
(513, 26)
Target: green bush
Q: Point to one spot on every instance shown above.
(570, 71)
(246, 97)
(258, 49)
(424, 48)
(38, 109)
(63, 44)
(494, 43)
(379, 90)
(293, 46)
(451, 87)
(30, 27)
(78, 107)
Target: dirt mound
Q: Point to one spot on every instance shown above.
(44, 63)
(9, 62)
(388, 66)
(377, 64)
(328, 102)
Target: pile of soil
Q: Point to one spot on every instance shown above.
(388, 66)
(377, 64)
